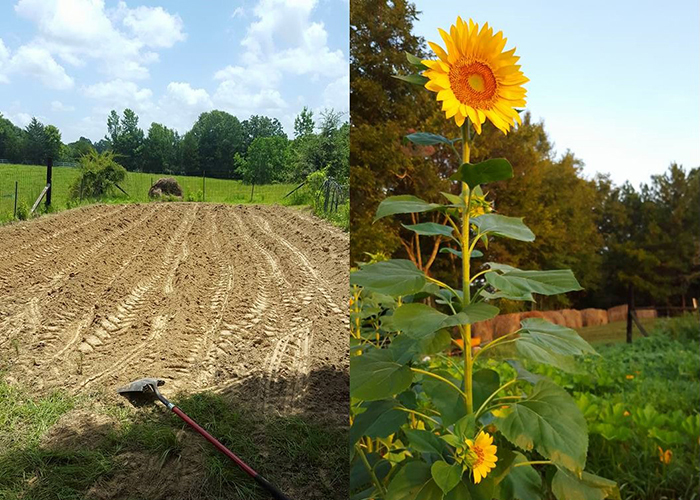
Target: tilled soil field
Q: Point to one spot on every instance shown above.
(242, 300)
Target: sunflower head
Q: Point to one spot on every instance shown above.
(475, 78)
(478, 454)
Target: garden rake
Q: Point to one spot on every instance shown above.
(147, 389)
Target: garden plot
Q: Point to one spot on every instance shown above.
(246, 300)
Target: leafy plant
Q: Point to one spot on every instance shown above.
(99, 173)
(471, 430)
(22, 210)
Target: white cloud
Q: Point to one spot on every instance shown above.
(154, 26)
(241, 100)
(181, 105)
(336, 94)
(285, 37)
(119, 94)
(282, 42)
(4, 62)
(79, 31)
(59, 106)
(185, 94)
(238, 12)
(18, 118)
(37, 62)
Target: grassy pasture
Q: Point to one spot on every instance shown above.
(31, 180)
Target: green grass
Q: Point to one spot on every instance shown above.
(613, 333)
(307, 459)
(31, 179)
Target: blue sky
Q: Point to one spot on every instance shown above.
(616, 82)
(69, 62)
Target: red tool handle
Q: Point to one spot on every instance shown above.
(276, 494)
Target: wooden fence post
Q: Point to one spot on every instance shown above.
(630, 311)
(15, 215)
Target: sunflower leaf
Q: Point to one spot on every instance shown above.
(549, 421)
(430, 229)
(395, 277)
(495, 169)
(446, 476)
(414, 79)
(414, 482)
(566, 486)
(501, 225)
(415, 61)
(403, 204)
(427, 139)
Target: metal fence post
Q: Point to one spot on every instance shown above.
(49, 174)
(204, 185)
(15, 214)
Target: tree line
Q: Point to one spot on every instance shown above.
(609, 235)
(255, 150)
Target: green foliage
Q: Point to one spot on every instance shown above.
(99, 172)
(160, 151)
(266, 160)
(626, 425)
(22, 210)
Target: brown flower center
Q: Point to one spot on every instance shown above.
(473, 83)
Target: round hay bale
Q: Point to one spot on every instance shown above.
(617, 313)
(483, 330)
(555, 317)
(572, 318)
(505, 324)
(165, 186)
(594, 317)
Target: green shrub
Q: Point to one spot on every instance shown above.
(99, 173)
(22, 210)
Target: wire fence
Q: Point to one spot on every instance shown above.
(21, 185)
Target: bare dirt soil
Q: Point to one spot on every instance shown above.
(242, 300)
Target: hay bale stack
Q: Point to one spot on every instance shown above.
(617, 313)
(646, 313)
(572, 318)
(505, 324)
(165, 186)
(531, 314)
(555, 317)
(594, 317)
(483, 330)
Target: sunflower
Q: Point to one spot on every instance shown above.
(479, 455)
(474, 78)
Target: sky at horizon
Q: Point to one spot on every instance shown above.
(69, 62)
(617, 83)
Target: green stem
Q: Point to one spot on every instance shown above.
(466, 262)
(493, 395)
(370, 470)
(533, 462)
(442, 379)
(414, 412)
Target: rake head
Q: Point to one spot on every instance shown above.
(142, 391)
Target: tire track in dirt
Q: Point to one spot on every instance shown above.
(55, 286)
(109, 336)
(234, 298)
(21, 236)
(19, 263)
(48, 292)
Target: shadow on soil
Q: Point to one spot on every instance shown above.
(109, 450)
